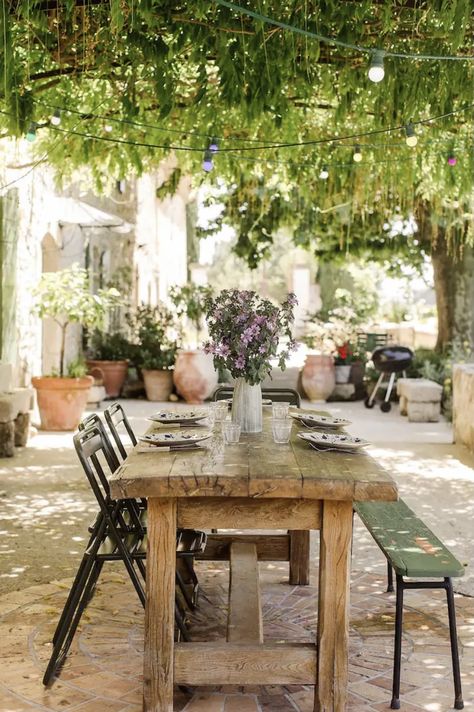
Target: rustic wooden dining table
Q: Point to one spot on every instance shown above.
(253, 485)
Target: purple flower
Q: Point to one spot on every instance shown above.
(240, 362)
(292, 300)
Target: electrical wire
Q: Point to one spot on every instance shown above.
(334, 41)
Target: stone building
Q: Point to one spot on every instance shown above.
(130, 237)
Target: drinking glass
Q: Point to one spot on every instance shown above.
(280, 409)
(219, 410)
(281, 429)
(231, 432)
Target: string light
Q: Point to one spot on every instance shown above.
(31, 133)
(376, 69)
(56, 118)
(207, 163)
(324, 175)
(213, 146)
(411, 139)
(357, 154)
(452, 160)
(108, 128)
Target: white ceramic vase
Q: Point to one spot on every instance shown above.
(247, 406)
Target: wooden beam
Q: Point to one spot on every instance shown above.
(269, 547)
(160, 606)
(244, 622)
(248, 513)
(299, 557)
(235, 664)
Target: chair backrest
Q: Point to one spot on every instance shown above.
(371, 341)
(115, 416)
(94, 420)
(274, 394)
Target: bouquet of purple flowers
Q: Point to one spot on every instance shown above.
(245, 332)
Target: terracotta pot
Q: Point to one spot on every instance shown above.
(194, 376)
(319, 376)
(112, 374)
(158, 384)
(61, 401)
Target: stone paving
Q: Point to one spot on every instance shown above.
(103, 669)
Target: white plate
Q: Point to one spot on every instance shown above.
(334, 440)
(169, 416)
(326, 421)
(174, 438)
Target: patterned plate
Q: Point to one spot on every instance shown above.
(326, 421)
(169, 416)
(174, 438)
(333, 440)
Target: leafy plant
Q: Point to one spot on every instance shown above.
(108, 347)
(77, 368)
(245, 332)
(65, 297)
(156, 337)
(190, 302)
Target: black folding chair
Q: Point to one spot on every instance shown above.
(117, 535)
(189, 542)
(276, 395)
(115, 416)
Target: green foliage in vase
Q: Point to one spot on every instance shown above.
(65, 297)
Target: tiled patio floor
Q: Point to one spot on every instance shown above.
(103, 669)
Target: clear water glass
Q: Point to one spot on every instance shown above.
(280, 409)
(231, 432)
(219, 410)
(281, 429)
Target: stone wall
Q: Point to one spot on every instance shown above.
(463, 404)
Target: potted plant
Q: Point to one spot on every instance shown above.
(65, 297)
(246, 335)
(318, 377)
(108, 357)
(155, 349)
(343, 362)
(194, 375)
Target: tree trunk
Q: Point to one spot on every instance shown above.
(453, 273)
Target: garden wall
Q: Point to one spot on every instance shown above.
(463, 404)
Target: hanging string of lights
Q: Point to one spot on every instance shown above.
(376, 69)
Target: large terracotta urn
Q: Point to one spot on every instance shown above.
(319, 377)
(61, 401)
(158, 384)
(111, 373)
(194, 375)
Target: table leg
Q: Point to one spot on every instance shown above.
(333, 610)
(299, 557)
(160, 606)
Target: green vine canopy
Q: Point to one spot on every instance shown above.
(132, 81)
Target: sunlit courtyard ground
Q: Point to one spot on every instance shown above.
(45, 507)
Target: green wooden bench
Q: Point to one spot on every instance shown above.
(414, 552)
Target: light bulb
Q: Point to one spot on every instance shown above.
(411, 139)
(207, 163)
(376, 69)
(357, 154)
(452, 160)
(213, 146)
(56, 118)
(108, 128)
(324, 175)
(31, 133)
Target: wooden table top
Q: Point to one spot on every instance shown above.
(255, 467)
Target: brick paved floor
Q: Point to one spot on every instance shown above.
(103, 670)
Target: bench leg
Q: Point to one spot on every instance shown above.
(397, 656)
(299, 557)
(458, 701)
(7, 439)
(390, 588)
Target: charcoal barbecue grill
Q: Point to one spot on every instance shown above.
(388, 360)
